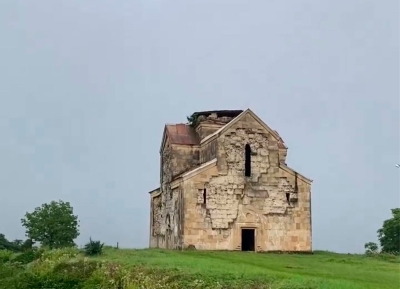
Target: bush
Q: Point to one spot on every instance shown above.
(93, 248)
(111, 275)
(9, 275)
(27, 257)
(388, 257)
(58, 254)
(29, 280)
(79, 269)
(5, 256)
(50, 259)
(57, 269)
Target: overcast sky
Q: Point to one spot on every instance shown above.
(87, 86)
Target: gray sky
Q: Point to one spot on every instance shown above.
(87, 86)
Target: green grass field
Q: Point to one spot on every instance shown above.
(69, 268)
(240, 269)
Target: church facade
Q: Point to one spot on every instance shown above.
(225, 185)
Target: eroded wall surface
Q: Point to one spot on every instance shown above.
(274, 200)
(166, 210)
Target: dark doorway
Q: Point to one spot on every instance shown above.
(248, 239)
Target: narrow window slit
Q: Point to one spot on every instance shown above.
(204, 196)
(247, 162)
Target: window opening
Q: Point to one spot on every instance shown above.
(204, 196)
(247, 162)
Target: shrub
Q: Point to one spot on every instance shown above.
(49, 260)
(388, 257)
(29, 280)
(27, 257)
(93, 248)
(57, 254)
(79, 269)
(5, 256)
(9, 275)
(58, 269)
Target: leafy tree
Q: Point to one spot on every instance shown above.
(389, 234)
(27, 245)
(10, 246)
(17, 243)
(53, 225)
(371, 248)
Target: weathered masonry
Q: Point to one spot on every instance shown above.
(225, 185)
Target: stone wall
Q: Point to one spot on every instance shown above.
(274, 200)
(208, 151)
(282, 155)
(167, 207)
(183, 158)
(205, 129)
(157, 219)
(207, 125)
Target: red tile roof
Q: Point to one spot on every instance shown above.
(182, 134)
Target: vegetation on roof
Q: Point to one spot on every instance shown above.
(193, 120)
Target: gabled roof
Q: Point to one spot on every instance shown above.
(180, 133)
(281, 143)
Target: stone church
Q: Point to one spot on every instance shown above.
(225, 185)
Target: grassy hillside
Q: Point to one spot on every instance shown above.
(150, 269)
(320, 270)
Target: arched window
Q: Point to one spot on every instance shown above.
(247, 161)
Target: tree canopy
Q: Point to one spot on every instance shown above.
(53, 225)
(7, 245)
(389, 234)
